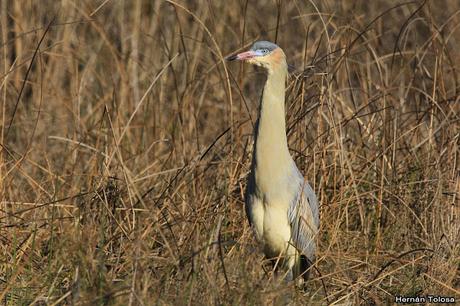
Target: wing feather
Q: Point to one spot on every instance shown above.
(303, 216)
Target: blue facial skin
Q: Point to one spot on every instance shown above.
(259, 49)
(262, 52)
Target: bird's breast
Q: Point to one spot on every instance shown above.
(277, 230)
(275, 182)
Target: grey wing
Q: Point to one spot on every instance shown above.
(254, 208)
(303, 216)
(312, 201)
(249, 194)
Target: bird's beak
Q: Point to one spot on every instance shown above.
(242, 56)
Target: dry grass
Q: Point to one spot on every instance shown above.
(126, 142)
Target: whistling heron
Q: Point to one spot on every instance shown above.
(281, 206)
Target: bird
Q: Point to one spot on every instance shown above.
(280, 204)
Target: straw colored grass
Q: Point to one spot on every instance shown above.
(126, 141)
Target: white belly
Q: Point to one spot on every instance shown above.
(271, 226)
(277, 231)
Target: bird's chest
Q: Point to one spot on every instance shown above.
(277, 230)
(270, 217)
(272, 187)
(273, 183)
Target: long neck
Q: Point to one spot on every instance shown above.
(271, 159)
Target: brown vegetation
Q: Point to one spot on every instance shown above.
(126, 141)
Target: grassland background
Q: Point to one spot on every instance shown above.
(126, 141)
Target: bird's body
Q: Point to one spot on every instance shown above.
(281, 207)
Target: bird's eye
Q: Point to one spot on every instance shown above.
(263, 51)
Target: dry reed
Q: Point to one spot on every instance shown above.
(126, 141)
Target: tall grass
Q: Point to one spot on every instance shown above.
(126, 141)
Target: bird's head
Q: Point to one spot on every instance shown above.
(262, 53)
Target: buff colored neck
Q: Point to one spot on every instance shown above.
(272, 161)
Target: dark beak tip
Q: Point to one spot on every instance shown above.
(231, 58)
